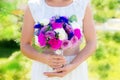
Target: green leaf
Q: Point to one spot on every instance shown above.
(73, 18)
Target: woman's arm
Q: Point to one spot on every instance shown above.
(26, 37)
(29, 51)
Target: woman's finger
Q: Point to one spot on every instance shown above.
(56, 66)
(58, 57)
(54, 74)
(62, 69)
(59, 61)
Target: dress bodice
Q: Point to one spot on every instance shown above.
(41, 10)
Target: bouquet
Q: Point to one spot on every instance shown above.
(57, 33)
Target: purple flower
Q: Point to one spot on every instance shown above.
(62, 19)
(52, 20)
(39, 26)
(74, 40)
(56, 25)
(70, 35)
(66, 44)
(44, 29)
(42, 40)
(50, 34)
(78, 33)
(69, 28)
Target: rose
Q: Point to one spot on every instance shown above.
(78, 33)
(55, 43)
(74, 40)
(44, 29)
(66, 44)
(42, 40)
(61, 33)
(56, 25)
(50, 34)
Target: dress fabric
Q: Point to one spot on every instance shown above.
(40, 10)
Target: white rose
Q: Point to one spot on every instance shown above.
(62, 34)
(44, 21)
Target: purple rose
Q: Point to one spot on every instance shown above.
(50, 34)
(43, 30)
(69, 28)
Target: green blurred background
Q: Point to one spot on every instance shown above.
(103, 65)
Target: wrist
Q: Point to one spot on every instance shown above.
(43, 58)
(39, 57)
(74, 65)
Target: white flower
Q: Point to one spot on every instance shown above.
(62, 34)
(44, 21)
(36, 41)
(75, 25)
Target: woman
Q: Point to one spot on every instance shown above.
(45, 61)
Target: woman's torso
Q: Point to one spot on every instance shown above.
(41, 10)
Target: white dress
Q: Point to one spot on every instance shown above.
(41, 10)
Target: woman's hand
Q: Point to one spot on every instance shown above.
(61, 72)
(54, 61)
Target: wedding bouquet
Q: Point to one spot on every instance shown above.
(57, 33)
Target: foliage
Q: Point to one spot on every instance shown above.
(104, 64)
(16, 67)
(4, 9)
(10, 28)
(11, 21)
(106, 9)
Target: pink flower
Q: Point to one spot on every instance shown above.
(56, 25)
(77, 33)
(66, 44)
(50, 34)
(42, 40)
(74, 40)
(55, 43)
